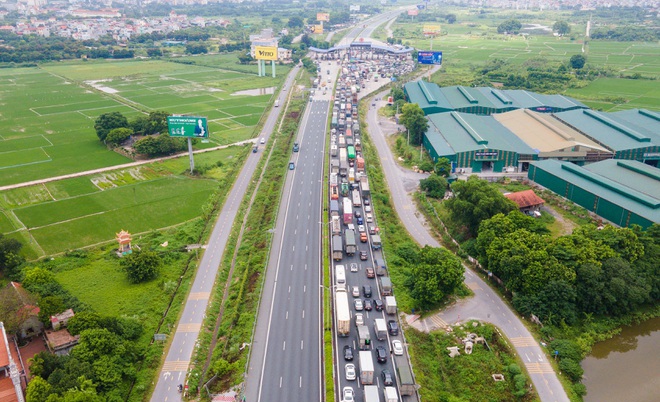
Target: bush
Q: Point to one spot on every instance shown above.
(571, 368)
(141, 266)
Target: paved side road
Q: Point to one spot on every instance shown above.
(486, 305)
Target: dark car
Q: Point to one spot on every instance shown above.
(387, 377)
(370, 272)
(292, 165)
(366, 201)
(378, 304)
(381, 354)
(255, 149)
(366, 291)
(368, 305)
(360, 220)
(363, 255)
(296, 147)
(393, 328)
(348, 353)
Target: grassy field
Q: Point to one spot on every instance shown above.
(77, 212)
(48, 113)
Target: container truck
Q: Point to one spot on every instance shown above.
(385, 286)
(349, 132)
(343, 162)
(333, 150)
(343, 313)
(364, 185)
(366, 367)
(341, 142)
(381, 268)
(390, 394)
(348, 211)
(337, 248)
(334, 208)
(406, 383)
(351, 175)
(334, 192)
(350, 245)
(334, 180)
(358, 148)
(350, 151)
(344, 188)
(371, 393)
(380, 327)
(364, 339)
(390, 305)
(356, 198)
(336, 225)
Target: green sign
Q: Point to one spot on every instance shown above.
(187, 126)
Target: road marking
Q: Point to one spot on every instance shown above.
(280, 382)
(175, 365)
(284, 346)
(287, 315)
(289, 288)
(199, 296)
(303, 314)
(301, 345)
(522, 341)
(304, 288)
(539, 368)
(189, 328)
(473, 285)
(439, 322)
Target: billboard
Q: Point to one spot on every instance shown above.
(265, 52)
(429, 57)
(187, 126)
(431, 29)
(414, 11)
(354, 7)
(322, 17)
(317, 29)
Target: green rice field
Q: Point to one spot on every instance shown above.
(47, 113)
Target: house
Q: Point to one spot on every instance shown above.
(528, 202)
(61, 342)
(28, 312)
(61, 319)
(11, 387)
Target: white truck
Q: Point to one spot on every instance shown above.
(371, 393)
(277, 103)
(390, 394)
(380, 327)
(366, 367)
(357, 201)
(336, 225)
(343, 313)
(390, 305)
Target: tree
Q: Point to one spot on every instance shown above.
(82, 321)
(509, 27)
(295, 22)
(245, 58)
(38, 390)
(154, 52)
(412, 117)
(118, 135)
(451, 18)
(572, 369)
(443, 167)
(561, 27)
(9, 257)
(476, 200)
(434, 185)
(437, 274)
(49, 306)
(12, 311)
(577, 61)
(425, 166)
(108, 121)
(141, 266)
(397, 94)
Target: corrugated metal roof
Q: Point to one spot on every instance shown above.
(465, 132)
(619, 131)
(525, 198)
(632, 185)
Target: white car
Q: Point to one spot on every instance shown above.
(355, 291)
(359, 319)
(369, 218)
(263, 141)
(348, 395)
(354, 267)
(397, 347)
(350, 372)
(367, 208)
(359, 306)
(361, 228)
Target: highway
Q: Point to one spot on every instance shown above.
(286, 362)
(183, 343)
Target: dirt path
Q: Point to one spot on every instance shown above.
(567, 226)
(117, 167)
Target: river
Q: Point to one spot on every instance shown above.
(626, 367)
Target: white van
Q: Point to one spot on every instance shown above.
(340, 276)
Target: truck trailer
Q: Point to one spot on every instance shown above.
(343, 313)
(356, 198)
(364, 339)
(337, 248)
(371, 393)
(380, 327)
(366, 367)
(350, 245)
(406, 383)
(348, 211)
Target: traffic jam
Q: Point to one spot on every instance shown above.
(365, 310)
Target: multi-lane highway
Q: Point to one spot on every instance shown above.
(286, 363)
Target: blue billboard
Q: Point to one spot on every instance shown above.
(429, 57)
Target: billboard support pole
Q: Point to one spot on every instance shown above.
(272, 67)
(190, 152)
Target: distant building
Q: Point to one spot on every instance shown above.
(61, 342)
(528, 202)
(28, 312)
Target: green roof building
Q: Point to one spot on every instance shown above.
(483, 100)
(629, 134)
(622, 191)
(475, 143)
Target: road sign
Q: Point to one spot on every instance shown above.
(160, 337)
(187, 126)
(429, 57)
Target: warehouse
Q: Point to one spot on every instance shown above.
(623, 192)
(476, 143)
(629, 134)
(552, 139)
(483, 100)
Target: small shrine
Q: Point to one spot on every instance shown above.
(124, 239)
